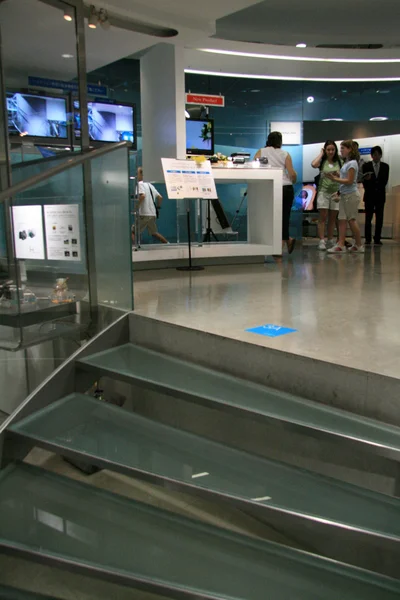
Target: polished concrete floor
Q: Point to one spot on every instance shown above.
(345, 309)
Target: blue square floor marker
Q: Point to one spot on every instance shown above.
(271, 330)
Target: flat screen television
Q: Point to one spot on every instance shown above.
(307, 197)
(37, 117)
(200, 137)
(108, 122)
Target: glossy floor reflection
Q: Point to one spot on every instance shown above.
(346, 309)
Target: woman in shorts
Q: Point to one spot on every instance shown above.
(327, 161)
(348, 197)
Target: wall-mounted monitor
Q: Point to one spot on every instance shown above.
(200, 137)
(108, 122)
(37, 117)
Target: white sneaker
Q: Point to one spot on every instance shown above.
(336, 249)
(330, 244)
(322, 245)
(357, 249)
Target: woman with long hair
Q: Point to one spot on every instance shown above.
(348, 197)
(327, 161)
(280, 159)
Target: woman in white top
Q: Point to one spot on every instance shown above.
(278, 158)
(349, 197)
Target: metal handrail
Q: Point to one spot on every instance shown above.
(68, 164)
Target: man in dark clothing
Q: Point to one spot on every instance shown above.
(376, 176)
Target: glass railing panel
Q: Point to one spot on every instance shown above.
(112, 229)
(64, 518)
(187, 378)
(49, 293)
(95, 428)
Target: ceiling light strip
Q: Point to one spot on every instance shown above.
(301, 58)
(289, 78)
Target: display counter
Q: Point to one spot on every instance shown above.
(264, 219)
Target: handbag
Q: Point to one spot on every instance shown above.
(154, 202)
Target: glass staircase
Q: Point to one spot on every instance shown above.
(341, 540)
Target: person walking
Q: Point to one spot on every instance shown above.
(348, 197)
(376, 176)
(280, 159)
(149, 205)
(327, 161)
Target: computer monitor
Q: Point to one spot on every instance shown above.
(108, 122)
(200, 137)
(39, 118)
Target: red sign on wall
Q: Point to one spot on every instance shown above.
(205, 99)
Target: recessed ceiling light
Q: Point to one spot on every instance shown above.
(255, 91)
(378, 119)
(310, 99)
(332, 119)
(301, 45)
(67, 55)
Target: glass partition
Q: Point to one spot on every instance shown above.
(49, 295)
(112, 225)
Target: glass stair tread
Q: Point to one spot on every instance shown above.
(185, 379)
(95, 429)
(58, 520)
(9, 593)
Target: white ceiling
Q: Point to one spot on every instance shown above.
(33, 45)
(340, 22)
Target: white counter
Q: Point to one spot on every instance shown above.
(264, 219)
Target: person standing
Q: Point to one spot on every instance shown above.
(327, 161)
(348, 197)
(279, 159)
(376, 176)
(149, 205)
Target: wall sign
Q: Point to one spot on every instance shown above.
(271, 330)
(69, 86)
(291, 131)
(62, 232)
(205, 99)
(28, 232)
(187, 179)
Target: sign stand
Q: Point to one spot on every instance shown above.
(190, 266)
(186, 179)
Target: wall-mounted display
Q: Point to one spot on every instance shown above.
(37, 117)
(28, 232)
(290, 130)
(62, 229)
(107, 122)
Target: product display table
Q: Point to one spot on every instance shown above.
(264, 219)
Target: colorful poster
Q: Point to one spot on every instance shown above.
(188, 179)
(28, 232)
(63, 239)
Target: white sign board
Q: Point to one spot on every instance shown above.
(28, 232)
(291, 131)
(62, 232)
(188, 179)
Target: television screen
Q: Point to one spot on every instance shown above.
(37, 116)
(107, 122)
(200, 136)
(306, 197)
